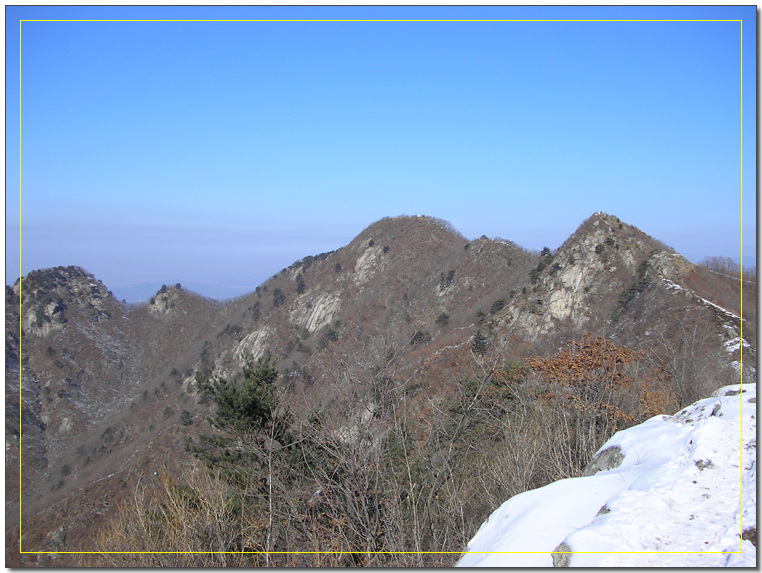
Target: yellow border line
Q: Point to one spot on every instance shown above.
(20, 283)
(741, 334)
(370, 552)
(358, 551)
(380, 21)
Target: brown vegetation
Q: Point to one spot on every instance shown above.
(378, 484)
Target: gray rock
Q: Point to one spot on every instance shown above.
(561, 555)
(603, 510)
(702, 465)
(608, 459)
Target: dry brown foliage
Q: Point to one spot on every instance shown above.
(590, 390)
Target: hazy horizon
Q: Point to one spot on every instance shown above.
(218, 153)
(220, 290)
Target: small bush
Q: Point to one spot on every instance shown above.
(278, 297)
(479, 345)
(638, 286)
(497, 306)
(534, 274)
(420, 337)
(446, 280)
(329, 336)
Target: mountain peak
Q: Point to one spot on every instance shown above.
(602, 230)
(413, 226)
(49, 296)
(53, 277)
(601, 216)
(602, 221)
(168, 297)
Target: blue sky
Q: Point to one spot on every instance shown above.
(217, 153)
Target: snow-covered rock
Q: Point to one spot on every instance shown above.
(681, 491)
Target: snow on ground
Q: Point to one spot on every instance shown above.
(673, 285)
(682, 495)
(734, 345)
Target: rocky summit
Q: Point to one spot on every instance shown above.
(411, 335)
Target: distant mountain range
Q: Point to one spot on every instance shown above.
(100, 394)
(140, 293)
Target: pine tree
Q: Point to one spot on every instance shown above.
(248, 416)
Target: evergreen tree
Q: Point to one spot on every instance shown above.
(248, 415)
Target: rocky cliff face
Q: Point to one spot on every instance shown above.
(48, 302)
(588, 280)
(76, 365)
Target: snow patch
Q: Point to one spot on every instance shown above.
(682, 495)
(735, 344)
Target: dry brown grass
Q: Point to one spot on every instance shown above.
(173, 524)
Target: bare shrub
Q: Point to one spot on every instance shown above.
(176, 524)
(722, 265)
